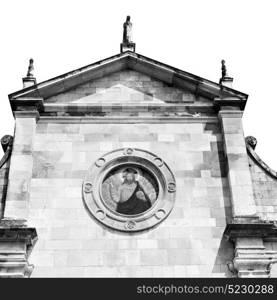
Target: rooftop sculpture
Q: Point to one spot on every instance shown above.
(127, 43)
(30, 68)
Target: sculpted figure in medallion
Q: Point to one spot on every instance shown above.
(130, 196)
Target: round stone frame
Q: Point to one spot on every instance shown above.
(129, 156)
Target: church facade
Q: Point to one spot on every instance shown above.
(129, 167)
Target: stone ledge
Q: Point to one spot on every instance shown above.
(250, 227)
(221, 103)
(27, 114)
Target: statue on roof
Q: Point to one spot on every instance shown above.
(30, 68)
(127, 42)
(127, 31)
(223, 69)
(225, 79)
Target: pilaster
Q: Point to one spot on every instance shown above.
(239, 177)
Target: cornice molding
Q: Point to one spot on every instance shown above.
(225, 113)
(126, 119)
(27, 114)
(136, 62)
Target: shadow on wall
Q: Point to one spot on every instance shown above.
(3, 193)
(225, 255)
(215, 160)
(6, 143)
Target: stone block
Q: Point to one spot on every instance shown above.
(132, 257)
(63, 245)
(43, 258)
(114, 258)
(100, 272)
(147, 244)
(88, 258)
(60, 258)
(64, 272)
(179, 256)
(153, 258)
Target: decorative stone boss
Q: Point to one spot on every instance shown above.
(129, 189)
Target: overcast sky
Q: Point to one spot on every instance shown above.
(192, 35)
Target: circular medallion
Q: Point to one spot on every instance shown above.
(129, 189)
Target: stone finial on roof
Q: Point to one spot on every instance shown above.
(127, 42)
(225, 79)
(29, 80)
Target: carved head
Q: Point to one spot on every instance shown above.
(129, 174)
(128, 19)
(6, 141)
(251, 141)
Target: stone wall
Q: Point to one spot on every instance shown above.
(71, 243)
(265, 192)
(124, 86)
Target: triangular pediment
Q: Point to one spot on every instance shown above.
(127, 78)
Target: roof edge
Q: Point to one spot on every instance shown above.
(177, 73)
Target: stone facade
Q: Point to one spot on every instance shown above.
(217, 226)
(70, 241)
(265, 191)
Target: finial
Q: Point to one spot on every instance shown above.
(30, 68)
(127, 43)
(225, 79)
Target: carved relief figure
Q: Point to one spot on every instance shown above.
(128, 192)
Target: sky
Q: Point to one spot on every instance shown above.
(192, 35)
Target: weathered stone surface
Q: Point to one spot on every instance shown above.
(265, 192)
(122, 87)
(20, 173)
(80, 245)
(239, 176)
